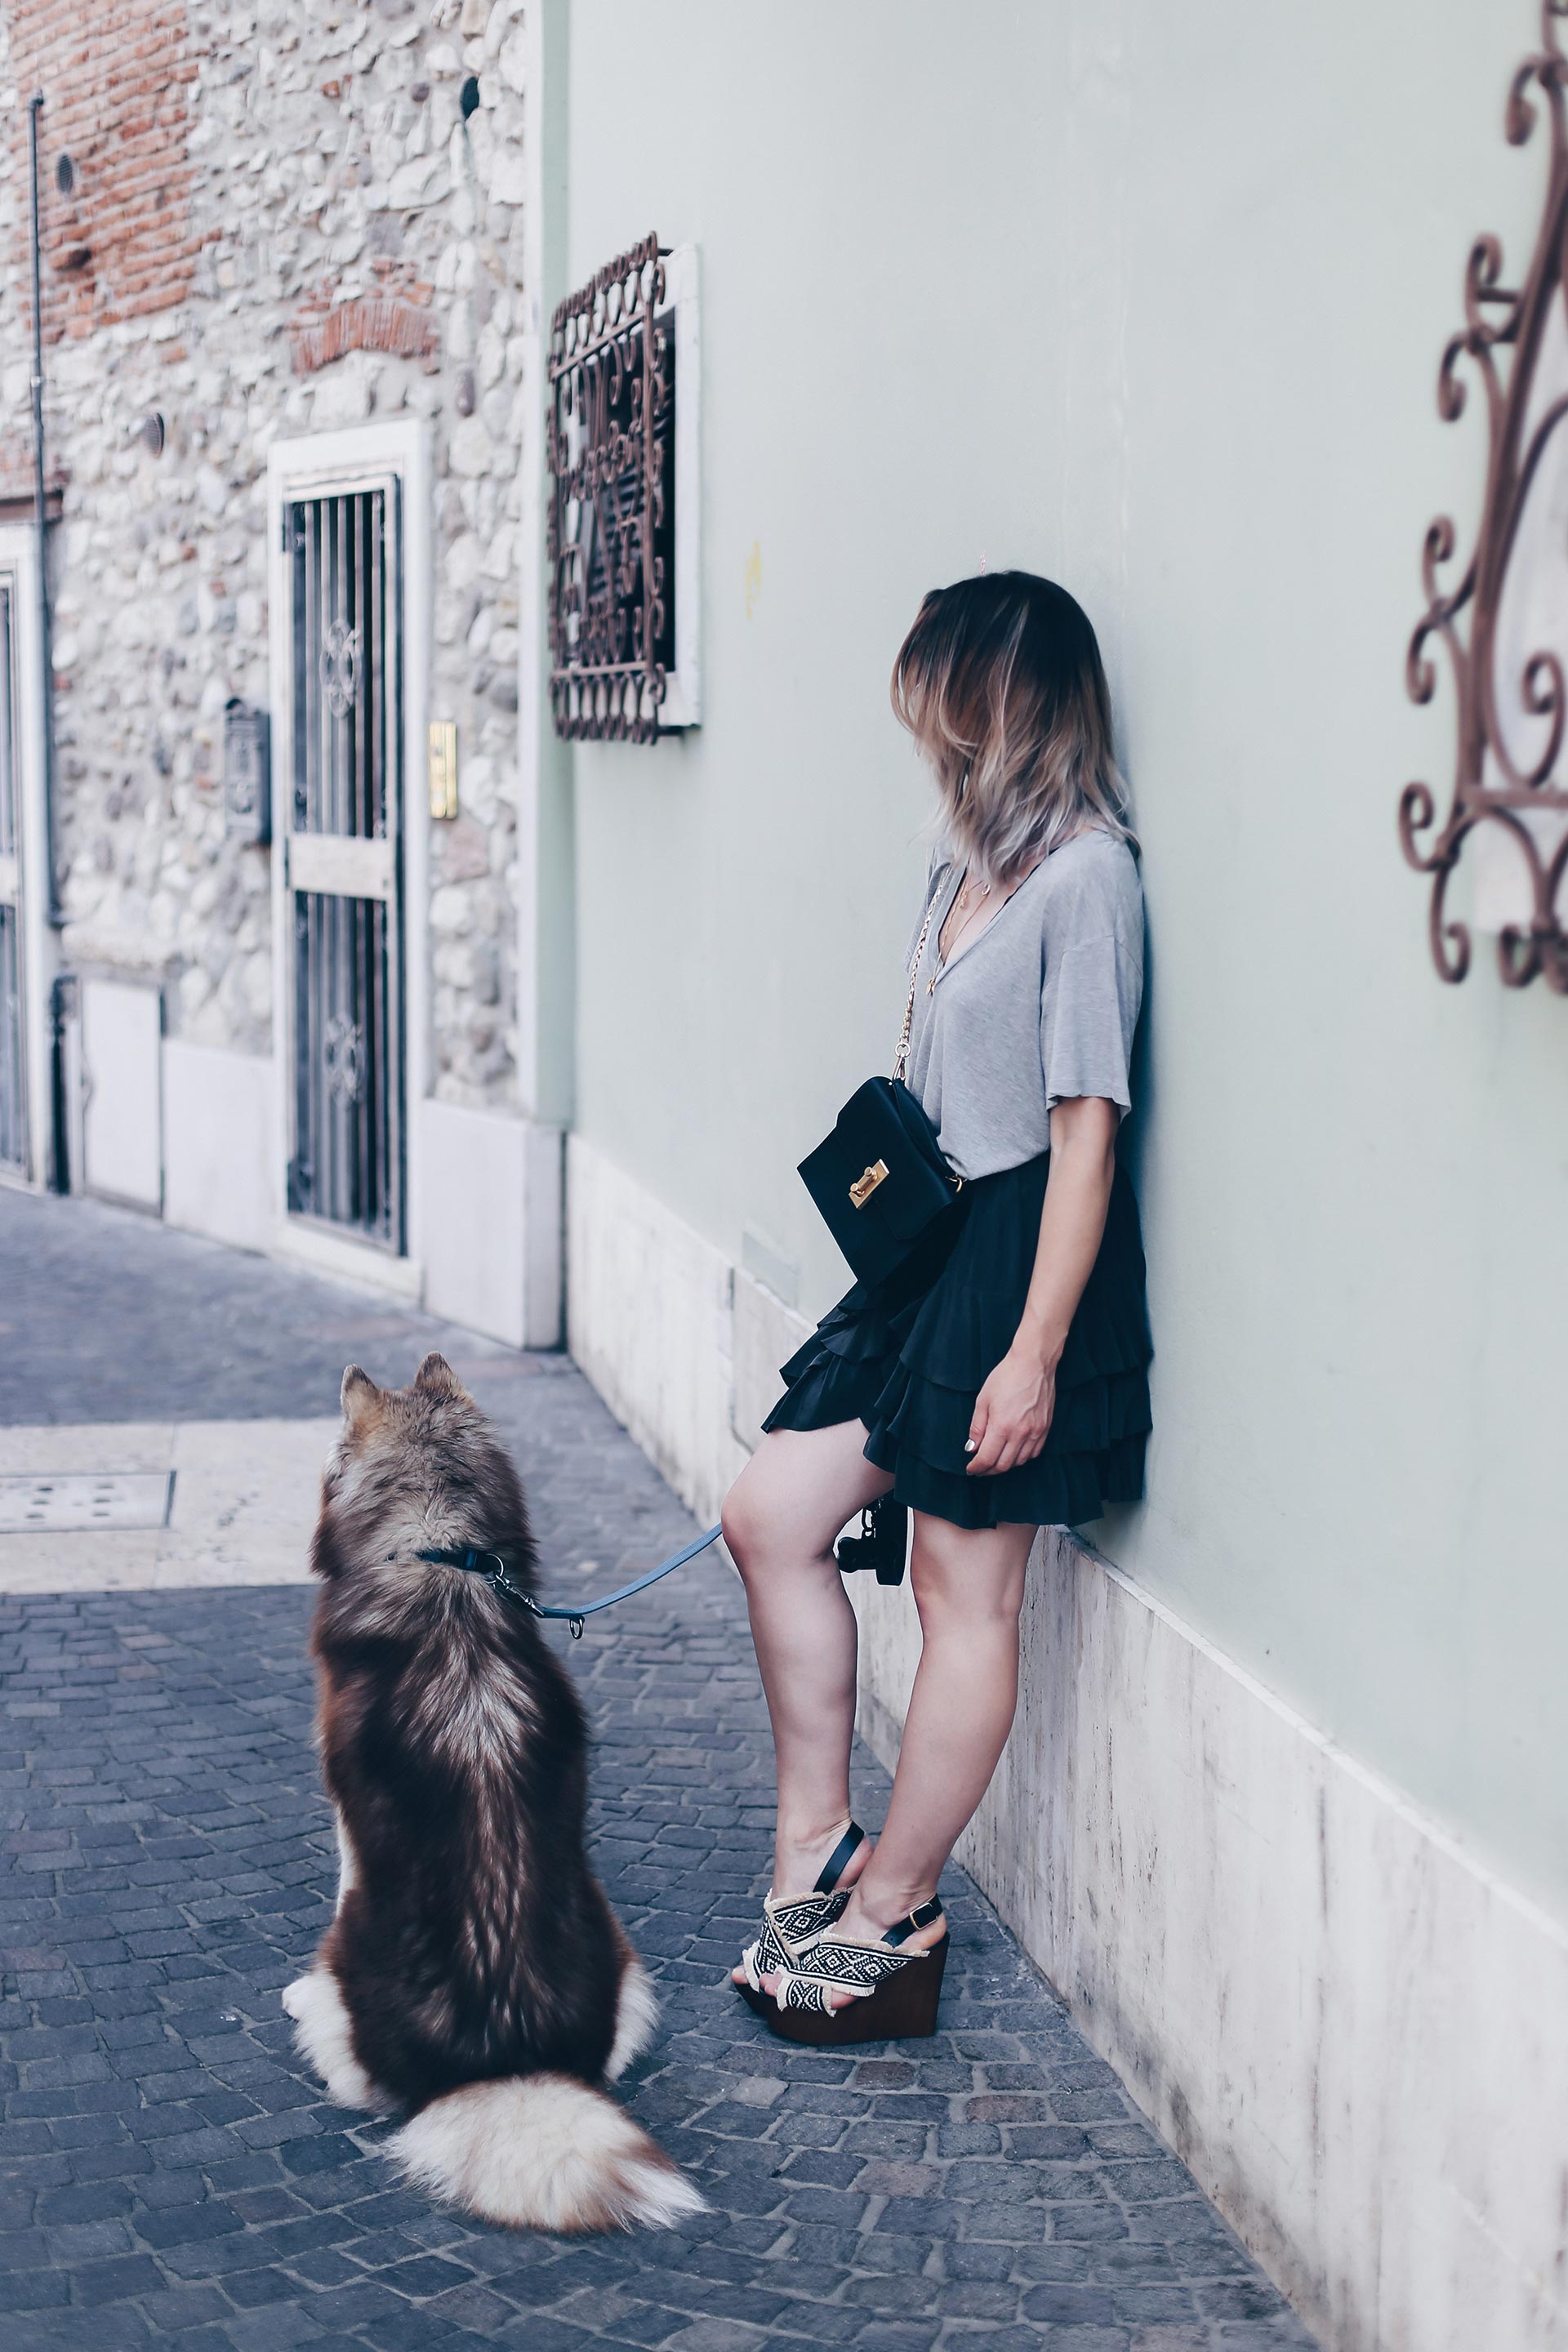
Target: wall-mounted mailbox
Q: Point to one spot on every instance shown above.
(247, 773)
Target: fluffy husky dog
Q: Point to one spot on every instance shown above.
(474, 1974)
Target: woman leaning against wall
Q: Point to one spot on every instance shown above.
(997, 1379)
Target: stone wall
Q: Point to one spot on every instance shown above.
(279, 219)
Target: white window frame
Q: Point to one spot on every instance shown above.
(682, 704)
(40, 956)
(297, 467)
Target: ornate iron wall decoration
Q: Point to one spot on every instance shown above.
(1510, 685)
(610, 437)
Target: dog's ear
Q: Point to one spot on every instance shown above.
(436, 1378)
(361, 1400)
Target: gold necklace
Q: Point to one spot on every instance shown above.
(944, 961)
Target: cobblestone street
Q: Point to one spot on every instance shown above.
(166, 2169)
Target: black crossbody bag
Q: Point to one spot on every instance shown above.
(879, 1178)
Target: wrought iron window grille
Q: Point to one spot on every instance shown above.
(611, 447)
(1510, 683)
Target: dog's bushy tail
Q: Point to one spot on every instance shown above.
(543, 2152)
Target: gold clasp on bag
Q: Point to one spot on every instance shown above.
(864, 1186)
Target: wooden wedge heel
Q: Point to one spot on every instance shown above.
(895, 1994)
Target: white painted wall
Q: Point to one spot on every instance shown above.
(218, 1165)
(765, 1334)
(649, 1318)
(490, 1254)
(492, 1206)
(122, 1046)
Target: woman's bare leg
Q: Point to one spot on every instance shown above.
(969, 1589)
(781, 1519)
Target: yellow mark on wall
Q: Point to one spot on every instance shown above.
(443, 768)
(753, 577)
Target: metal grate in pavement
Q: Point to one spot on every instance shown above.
(77, 1501)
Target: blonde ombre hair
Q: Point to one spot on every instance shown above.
(1000, 683)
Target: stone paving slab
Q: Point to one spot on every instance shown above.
(168, 2170)
(243, 1503)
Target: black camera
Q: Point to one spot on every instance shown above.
(881, 1544)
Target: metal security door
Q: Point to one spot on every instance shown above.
(13, 1069)
(344, 870)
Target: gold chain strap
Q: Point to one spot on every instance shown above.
(900, 1059)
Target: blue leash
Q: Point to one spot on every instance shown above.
(490, 1565)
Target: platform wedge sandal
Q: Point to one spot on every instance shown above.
(896, 1993)
(790, 1920)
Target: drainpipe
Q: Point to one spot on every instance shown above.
(65, 1085)
(34, 106)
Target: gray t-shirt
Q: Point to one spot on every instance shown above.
(1039, 1007)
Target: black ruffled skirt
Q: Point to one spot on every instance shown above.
(909, 1357)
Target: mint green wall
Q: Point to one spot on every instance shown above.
(1150, 300)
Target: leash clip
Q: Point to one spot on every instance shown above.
(499, 1581)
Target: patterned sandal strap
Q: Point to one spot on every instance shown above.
(788, 1924)
(804, 1992)
(769, 1952)
(802, 1915)
(861, 1968)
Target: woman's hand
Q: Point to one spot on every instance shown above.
(1012, 1412)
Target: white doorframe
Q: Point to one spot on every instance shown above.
(19, 562)
(323, 462)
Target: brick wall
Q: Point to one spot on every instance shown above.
(118, 242)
